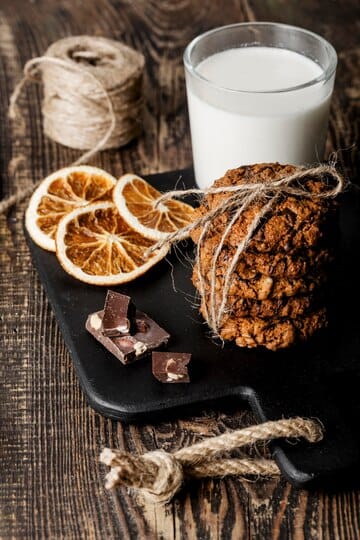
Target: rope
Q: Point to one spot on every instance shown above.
(158, 475)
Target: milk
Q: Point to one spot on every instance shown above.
(241, 114)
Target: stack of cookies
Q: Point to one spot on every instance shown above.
(277, 290)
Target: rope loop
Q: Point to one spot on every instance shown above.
(159, 475)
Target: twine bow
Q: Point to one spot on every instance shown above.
(241, 197)
(158, 475)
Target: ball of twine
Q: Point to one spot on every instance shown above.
(92, 97)
(92, 92)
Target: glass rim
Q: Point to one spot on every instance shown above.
(324, 76)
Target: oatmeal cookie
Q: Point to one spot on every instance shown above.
(275, 296)
(273, 334)
(250, 264)
(261, 287)
(293, 223)
(293, 307)
(292, 265)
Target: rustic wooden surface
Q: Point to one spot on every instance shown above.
(51, 483)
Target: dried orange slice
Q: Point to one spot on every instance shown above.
(59, 194)
(135, 199)
(95, 244)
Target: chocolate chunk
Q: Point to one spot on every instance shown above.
(118, 314)
(128, 348)
(170, 367)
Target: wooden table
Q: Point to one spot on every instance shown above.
(51, 483)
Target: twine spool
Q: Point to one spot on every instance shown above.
(92, 92)
(92, 96)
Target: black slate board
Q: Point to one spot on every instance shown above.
(321, 379)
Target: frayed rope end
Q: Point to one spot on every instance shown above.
(157, 475)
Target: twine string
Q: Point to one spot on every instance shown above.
(283, 183)
(203, 235)
(241, 197)
(74, 113)
(13, 114)
(237, 214)
(30, 70)
(204, 225)
(35, 62)
(158, 475)
(232, 266)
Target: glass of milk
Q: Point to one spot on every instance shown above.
(257, 92)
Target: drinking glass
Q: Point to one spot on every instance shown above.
(231, 127)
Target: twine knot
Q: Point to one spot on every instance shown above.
(158, 475)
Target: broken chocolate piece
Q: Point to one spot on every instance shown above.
(170, 367)
(118, 314)
(128, 348)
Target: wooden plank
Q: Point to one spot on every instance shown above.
(52, 485)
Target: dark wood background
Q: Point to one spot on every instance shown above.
(51, 483)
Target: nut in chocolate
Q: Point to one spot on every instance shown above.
(171, 367)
